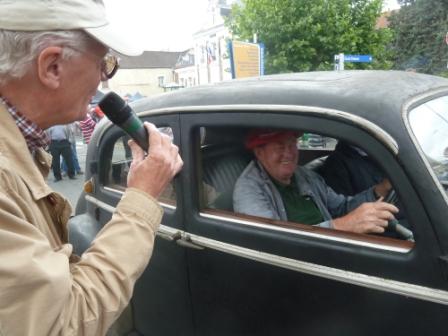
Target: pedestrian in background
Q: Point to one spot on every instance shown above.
(87, 126)
(53, 55)
(71, 131)
(60, 145)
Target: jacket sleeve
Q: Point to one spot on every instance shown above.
(340, 205)
(331, 204)
(42, 293)
(250, 198)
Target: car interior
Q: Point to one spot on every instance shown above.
(223, 158)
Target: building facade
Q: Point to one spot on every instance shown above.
(148, 74)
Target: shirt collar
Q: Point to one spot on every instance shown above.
(34, 136)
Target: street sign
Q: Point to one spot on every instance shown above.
(246, 59)
(358, 58)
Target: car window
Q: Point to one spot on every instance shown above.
(224, 159)
(429, 122)
(121, 161)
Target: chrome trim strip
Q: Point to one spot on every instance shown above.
(111, 209)
(308, 234)
(114, 190)
(378, 132)
(100, 204)
(363, 280)
(405, 115)
(358, 279)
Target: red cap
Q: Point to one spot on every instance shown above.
(263, 136)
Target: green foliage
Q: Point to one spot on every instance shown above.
(419, 40)
(304, 35)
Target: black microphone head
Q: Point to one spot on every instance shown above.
(115, 108)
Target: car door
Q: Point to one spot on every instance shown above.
(253, 277)
(161, 295)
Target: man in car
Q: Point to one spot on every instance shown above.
(274, 186)
(53, 55)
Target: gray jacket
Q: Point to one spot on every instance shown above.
(255, 194)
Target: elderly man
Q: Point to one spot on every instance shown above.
(273, 186)
(53, 55)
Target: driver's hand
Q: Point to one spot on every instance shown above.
(370, 217)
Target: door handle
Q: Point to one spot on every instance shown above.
(186, 242)
(170, 237)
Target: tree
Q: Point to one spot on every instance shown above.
(304, 35)
(420, 27)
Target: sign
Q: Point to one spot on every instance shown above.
(246, 59)
(358, 58)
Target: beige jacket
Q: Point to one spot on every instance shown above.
(43, 291)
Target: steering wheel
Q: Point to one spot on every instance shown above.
(394, 225)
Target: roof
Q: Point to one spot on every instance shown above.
(150, 60)
(378, 96)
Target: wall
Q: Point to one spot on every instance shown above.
(144, 81)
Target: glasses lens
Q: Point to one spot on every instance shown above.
(110, 65)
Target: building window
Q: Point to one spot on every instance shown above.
(161, 80)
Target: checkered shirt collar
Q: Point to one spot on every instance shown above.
(34, 136)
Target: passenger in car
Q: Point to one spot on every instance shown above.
(348, 170)
(274, 186)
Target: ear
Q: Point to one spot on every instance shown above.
(258, 152)
(49, 67)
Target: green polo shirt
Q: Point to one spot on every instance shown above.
(299, 209)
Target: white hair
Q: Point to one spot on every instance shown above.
(19, 48)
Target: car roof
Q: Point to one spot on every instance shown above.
(378, 96)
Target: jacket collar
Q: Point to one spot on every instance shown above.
(301, 181)
(33, 170)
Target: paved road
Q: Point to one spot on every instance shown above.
(71, 189)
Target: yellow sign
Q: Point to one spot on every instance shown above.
(246, 59)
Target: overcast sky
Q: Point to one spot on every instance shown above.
(165, 24)
(160, 24)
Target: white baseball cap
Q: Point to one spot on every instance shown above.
(87, 15)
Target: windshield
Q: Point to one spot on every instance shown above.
(429, 123)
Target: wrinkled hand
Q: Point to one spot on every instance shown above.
(371, 217)
(152, 173)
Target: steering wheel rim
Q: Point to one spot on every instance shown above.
(394, 224)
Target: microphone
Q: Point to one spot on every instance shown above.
(121, 114)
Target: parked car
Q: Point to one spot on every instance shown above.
(217, 272)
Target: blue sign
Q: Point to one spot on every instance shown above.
(358, 58)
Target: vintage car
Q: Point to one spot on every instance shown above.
(218, 272)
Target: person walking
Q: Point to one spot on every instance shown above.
(71, 130)
(60, 145)
(87, 126)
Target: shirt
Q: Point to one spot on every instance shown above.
(87, 126)
(57, 132)
(299, 208)
(34, 136)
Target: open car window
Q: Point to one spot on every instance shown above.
(224, 159)
(116, 177)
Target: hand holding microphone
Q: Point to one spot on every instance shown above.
(150, 173)
(122, 115)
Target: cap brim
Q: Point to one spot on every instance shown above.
(115, 39)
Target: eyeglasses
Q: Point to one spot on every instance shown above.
(109, 64)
